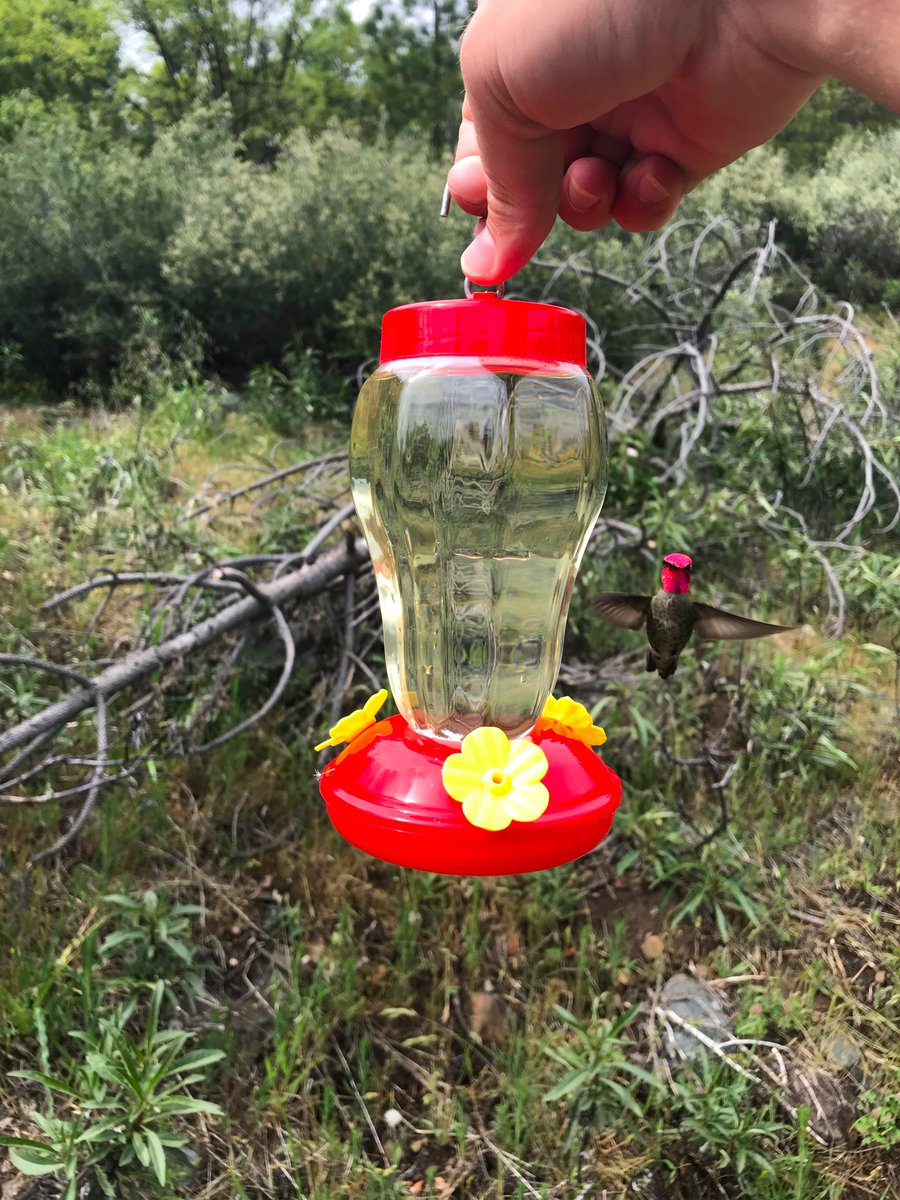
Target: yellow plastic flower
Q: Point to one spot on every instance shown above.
(353, 725)
(496, 780)
(572, 720)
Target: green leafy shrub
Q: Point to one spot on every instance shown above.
(797, 719)
(599, 1079)
(152, 941)
(119, 1108)
(85, 226)
(115, 260)
(726, 1125)
(879, 1125)
(311, 252)
(849, 213)
(300, 391)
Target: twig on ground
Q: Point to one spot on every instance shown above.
(367, 1116)
(307, 581)
(667, 1018)
(264, 481)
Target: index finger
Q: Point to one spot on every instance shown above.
(466, 179)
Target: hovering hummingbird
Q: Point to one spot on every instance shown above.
(672, 616)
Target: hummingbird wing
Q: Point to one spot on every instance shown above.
(712, 624)
(622, 609)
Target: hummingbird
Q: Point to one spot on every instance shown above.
(672, 616)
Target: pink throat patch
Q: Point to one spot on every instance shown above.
(678, 582)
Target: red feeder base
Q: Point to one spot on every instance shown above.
(385, 795)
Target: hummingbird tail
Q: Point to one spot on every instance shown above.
(651, 661)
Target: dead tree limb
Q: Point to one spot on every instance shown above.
(307, 581)
(228, 498)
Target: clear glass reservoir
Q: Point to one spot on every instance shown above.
(478, 462)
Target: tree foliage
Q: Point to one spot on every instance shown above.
(848, 215)
(265, 184)
(109, 255)
(412, 76)
(832, 113)
(58, 51)
(278, 65)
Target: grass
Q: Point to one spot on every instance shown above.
(357, 1030)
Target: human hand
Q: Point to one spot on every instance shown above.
(600, 110)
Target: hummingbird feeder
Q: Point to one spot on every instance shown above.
(478, 463)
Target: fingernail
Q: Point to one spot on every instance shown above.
(651, 191)
(478, 257)
(580, 199)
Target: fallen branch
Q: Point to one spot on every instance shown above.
(313, 464)
(307, 581)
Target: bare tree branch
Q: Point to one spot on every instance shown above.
(127, 579)
(307, 581)
(266, 481)
(90, 799)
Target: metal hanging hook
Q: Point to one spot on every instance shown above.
(467, 288)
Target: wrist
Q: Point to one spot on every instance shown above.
(857, 41)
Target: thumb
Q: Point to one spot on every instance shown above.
(524, 181)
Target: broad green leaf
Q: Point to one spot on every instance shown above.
(156, 1000)
(565, 1015)
(47, 1124)
(741, 899)
(141, 1149)
(49, 1081)
(31, 1160)
(29, 1143)
(105, 1184)
(199, 1058)
(626, 1019)
(180, 1084)
(687, 909)
(174, 1140)
(178, 948)
(99, 1129)
(625, 1097)
(627, 860)
(120, 938)
(877, 650)
(182, 1106)
(121, 901)
(157, 1155)
(643, 1075)
(566, 1056)
(571, 1083)
(101, 1066)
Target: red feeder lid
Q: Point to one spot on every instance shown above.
(484, 326)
